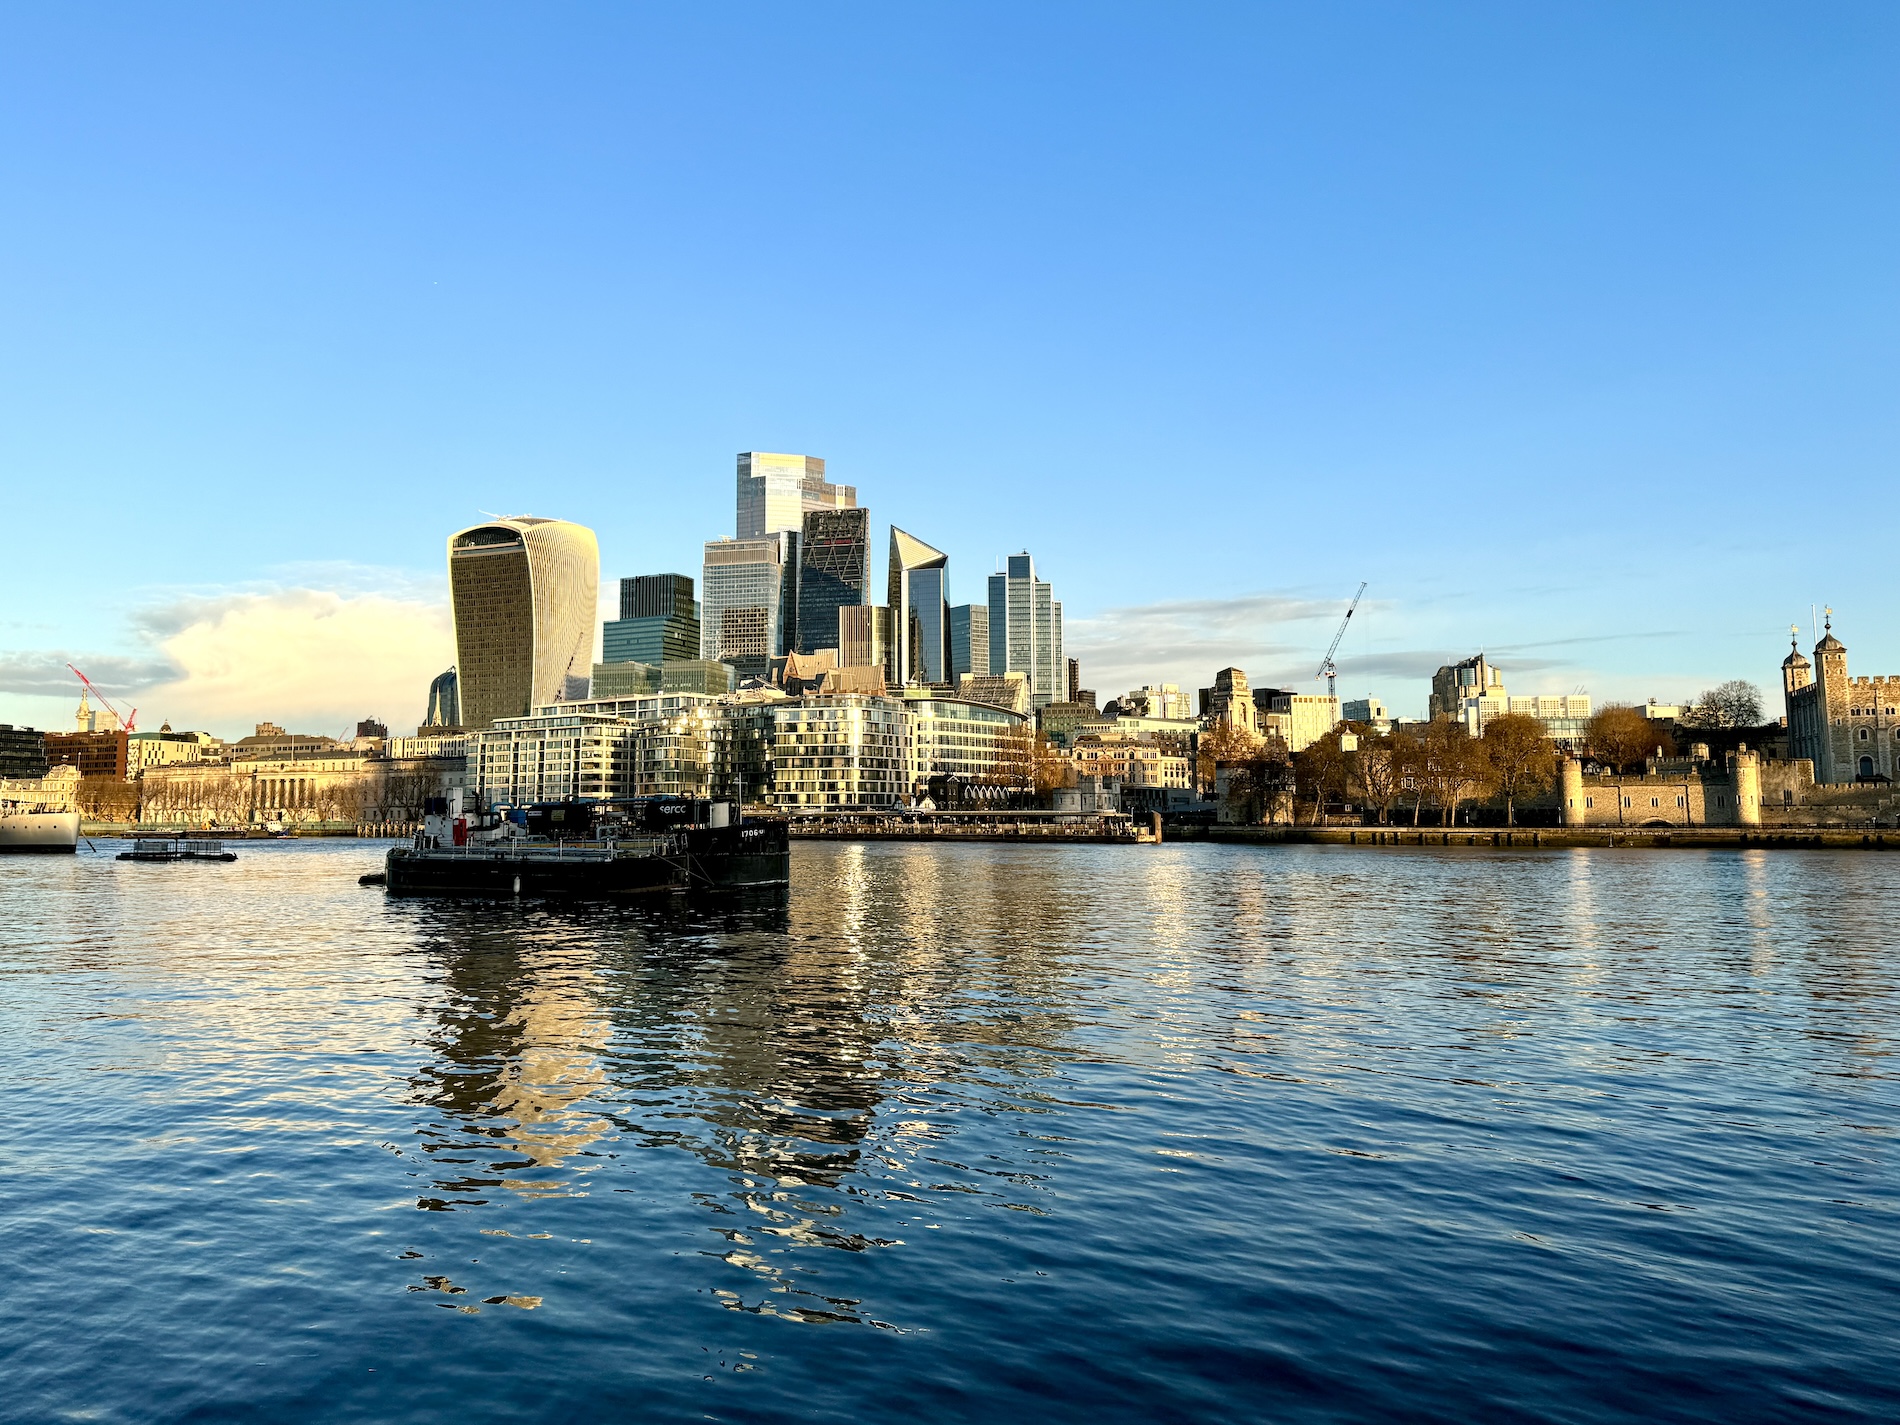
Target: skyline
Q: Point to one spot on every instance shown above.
(1569, 332)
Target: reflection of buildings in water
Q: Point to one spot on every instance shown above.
(520, 1031)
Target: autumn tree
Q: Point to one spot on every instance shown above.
(1620, 737)
(107, 799)
(1323, 766)
(1519, 756)
(1223, 742)
(1259, 781)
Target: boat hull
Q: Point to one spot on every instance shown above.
(47, 831)
(752, 856)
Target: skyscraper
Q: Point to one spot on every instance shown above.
(834, 561)
(775, 491)
(1026, 630)
(970, 640)
(743, 611)
(522, 592)
(864, 639)
(919, 590)
(658, 623)
(445, 707)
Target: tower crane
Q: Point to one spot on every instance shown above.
(126, 721)
(1328, 669)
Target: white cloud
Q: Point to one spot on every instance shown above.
(313, 659)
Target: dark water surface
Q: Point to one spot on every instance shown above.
(966, 1132)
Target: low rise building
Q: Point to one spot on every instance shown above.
(95, 754)
(965, 738)
(1131, 760)
(56, 790)
(294, 789)
(1300, 719)
(160, 749)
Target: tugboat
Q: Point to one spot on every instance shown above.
(609, 849)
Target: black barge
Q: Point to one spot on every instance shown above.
(604, 850)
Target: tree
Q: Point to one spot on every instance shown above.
(1027, 761)
(1736, 703)
(107, 798)
(1223, 742)
(1520, 757)
(1258, 782)
(1451, 764)
(1620, 736)
(1323, 766)
(1380, 766)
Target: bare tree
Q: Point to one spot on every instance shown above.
(1451, 764)
(1520, 757)
(1258, 783)
(1620, 737)
(1380, 768)
(1736, 703)
(1323, 766)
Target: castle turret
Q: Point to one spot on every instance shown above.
(1570, 796)
(1796, 672)
(1747, 787)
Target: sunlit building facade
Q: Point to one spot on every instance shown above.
(523, 592)
(775, 491)
(1026, 630)
(918, 598)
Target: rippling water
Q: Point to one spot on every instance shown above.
(965, 1132)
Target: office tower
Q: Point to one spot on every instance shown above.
(1075, 678)
(445, 708)
(658, 623)
(775, 491)
(743, 613)
(970, 640)
(1026, 630)
(865, 641)
(919, 600)
(522, 593)
(834, 564)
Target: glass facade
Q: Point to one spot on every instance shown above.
(775, 491)
(840, 751)
(623, 679)
(975, 741)
(864, 639)
(834, 563)
(919, 580)
(1026, 630)
(445, 706)
(970, 641)
(742, 611)
(523, 593)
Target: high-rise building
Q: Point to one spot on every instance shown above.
(834, 564)
(865, 639)
(919, 601)
(970, 640)
(775, 491)
(658, 623)
(1075, 678)
(743, 614)
(523, 592)
(1026, 630)
(445, 706)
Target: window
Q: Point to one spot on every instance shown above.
(1863, 734)
(1655, 801)
(1589, 802)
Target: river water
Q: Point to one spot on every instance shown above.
(963, 1133)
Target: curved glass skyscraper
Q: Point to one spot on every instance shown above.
(523, 593)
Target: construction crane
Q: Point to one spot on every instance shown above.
(1328, 669)
(129, 723)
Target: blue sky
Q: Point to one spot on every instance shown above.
(1571, 328)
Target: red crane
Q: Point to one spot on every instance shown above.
(129, 723)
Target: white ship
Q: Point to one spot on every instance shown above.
(32, 828)
(40, 814)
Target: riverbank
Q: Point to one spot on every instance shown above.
(1524, 838)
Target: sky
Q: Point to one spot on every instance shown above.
(1569, 328)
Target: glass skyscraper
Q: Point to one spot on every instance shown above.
(919, 599)
(1026, 630)
(834, 560)
(969, 640)
(745, 611)
(776, 491)
(658, 623)
(522, 593)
